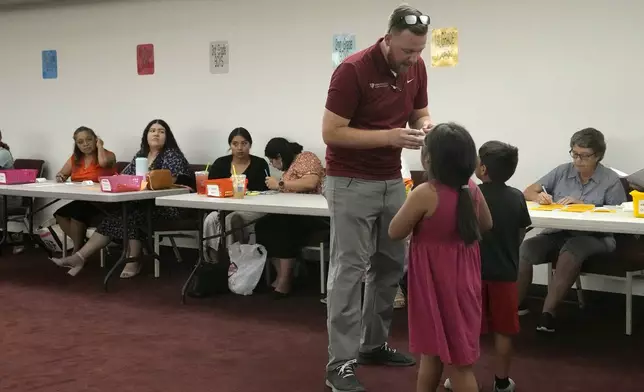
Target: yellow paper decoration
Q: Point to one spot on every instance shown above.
(444, 47)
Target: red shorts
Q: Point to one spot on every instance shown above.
(500, 307)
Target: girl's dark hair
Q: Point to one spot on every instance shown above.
(78, 154)
(3, 144)
(452, 160)
(240, 131)
(279, 147)
(170, 141)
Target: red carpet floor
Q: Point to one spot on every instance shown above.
(59, 333)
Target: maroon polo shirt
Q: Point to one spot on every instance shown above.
(364, 90)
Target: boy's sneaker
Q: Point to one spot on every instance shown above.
(523, 310)
(509, 388)
(343, 378)
(546, 323)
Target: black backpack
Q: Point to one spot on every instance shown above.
(211, 278)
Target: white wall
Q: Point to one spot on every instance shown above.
(531, 73)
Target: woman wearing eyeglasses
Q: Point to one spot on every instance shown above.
(583, 181)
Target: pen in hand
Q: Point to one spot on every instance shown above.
(544, 197)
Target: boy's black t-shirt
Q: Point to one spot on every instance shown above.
(500, 246)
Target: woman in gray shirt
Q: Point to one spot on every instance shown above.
(583, 181)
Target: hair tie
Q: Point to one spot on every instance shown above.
(466, 186)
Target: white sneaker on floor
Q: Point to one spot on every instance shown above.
(447, 385)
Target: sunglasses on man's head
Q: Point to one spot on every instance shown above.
(415, 19)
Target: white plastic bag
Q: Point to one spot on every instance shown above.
(246, 267)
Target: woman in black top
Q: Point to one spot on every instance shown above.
(256, 170)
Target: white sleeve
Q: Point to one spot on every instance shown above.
(406, 173)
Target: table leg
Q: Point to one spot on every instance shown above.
(200, 259)
(31, 213)
(123, 257)
(149, 243)
(222, 254)
(5, 218)
(148, 221)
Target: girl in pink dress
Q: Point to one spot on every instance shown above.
(445, 216)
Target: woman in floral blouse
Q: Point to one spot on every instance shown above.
(285, 235)
(160, 147)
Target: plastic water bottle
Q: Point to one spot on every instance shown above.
(141, 166)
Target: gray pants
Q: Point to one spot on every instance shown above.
(361, 211)
(581, 245)
(211, 226)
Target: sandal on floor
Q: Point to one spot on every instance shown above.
(75, 266)
(131, 269)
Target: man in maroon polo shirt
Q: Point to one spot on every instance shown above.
(373, 96)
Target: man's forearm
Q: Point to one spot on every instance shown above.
(418, 124)
(348, 137)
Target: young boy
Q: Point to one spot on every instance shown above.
(500, 253)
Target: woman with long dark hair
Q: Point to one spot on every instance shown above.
(255, 169)
(240, 223)
(160, 147)
(89, 161)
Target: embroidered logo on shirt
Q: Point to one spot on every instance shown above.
(410, 80)
(378, 85)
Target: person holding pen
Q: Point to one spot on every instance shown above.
(283, 235)
(583, 181)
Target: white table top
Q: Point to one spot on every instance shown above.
(316, 205)
(617, 222)
(78, 191)
(282, 203)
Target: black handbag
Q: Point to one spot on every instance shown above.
(211, 278)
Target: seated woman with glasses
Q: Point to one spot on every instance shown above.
(89, 161)
(284, 236)
(583, 181)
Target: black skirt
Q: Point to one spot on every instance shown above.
(82, 211)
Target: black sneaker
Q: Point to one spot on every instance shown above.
(523, 310)
(546, 323)
(343, 378)
(386, 356)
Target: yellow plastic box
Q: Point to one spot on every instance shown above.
(638, 204)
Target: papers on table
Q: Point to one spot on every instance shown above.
(576, 208)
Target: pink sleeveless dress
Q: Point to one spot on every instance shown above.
(444, 280)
